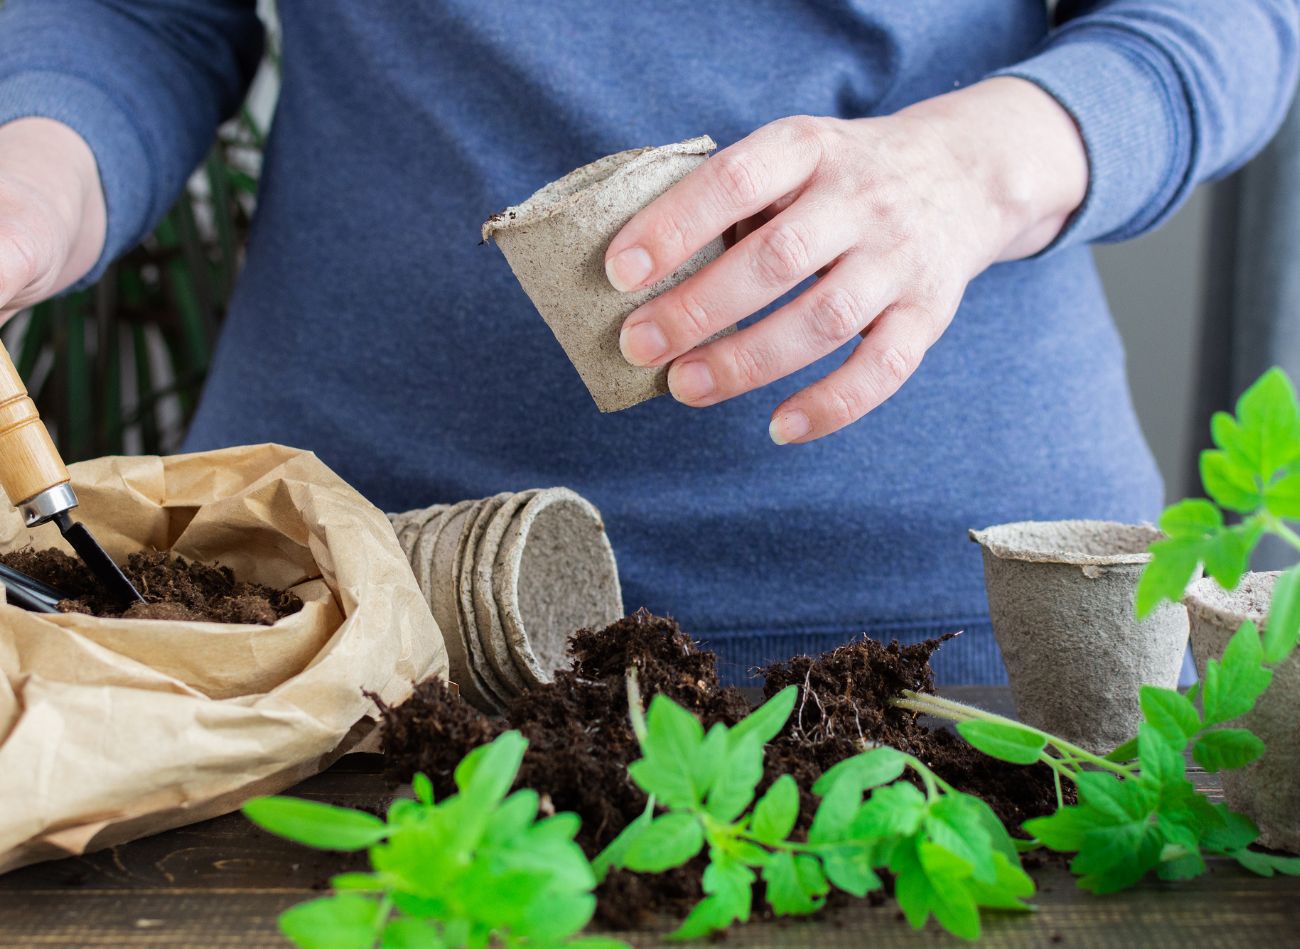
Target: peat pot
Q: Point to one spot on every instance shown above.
(555, 243)
(1267, 790)
(1061, 596)
(509, 579)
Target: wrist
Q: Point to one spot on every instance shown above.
(1024, 154)
(50, 161)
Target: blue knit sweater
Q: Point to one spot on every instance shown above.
(371, 327)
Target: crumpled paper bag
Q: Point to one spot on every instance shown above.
(114, 729)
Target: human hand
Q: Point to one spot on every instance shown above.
(895, 215)
(52, 214)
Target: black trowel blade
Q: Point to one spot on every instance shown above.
(97, 559)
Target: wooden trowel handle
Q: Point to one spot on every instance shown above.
(29, 462)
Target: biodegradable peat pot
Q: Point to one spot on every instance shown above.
(1267, 790)
(1061, 597)
(555, 243)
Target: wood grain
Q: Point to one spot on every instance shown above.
(222, 883)
(29, 462)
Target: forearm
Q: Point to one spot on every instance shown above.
(52, 163)
(1022, 152)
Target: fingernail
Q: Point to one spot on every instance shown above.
(627, 269)
(788, 426)
(690, 381)
(643, 343)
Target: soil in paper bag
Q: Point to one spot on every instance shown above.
(173, 588)
(581, 740)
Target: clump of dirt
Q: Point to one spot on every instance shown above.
(173, 588)
(581, 740)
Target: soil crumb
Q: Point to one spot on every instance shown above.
(173, 588)
(581, 740)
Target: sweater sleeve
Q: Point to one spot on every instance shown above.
(144, 82)
(1166, 94)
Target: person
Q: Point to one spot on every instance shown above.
(912, 185)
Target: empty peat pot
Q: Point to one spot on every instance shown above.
(509, 579)
(1061, 597)
(555, 243)
(1267, 790)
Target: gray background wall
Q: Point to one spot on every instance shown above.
(1156, 286)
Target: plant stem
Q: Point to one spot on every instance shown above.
(1279, 527)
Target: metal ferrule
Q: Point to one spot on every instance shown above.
(47, 504)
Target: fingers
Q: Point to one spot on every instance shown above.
(887, 356)
(18, 268)
(831, 312)
(734, 184)
(766, 264)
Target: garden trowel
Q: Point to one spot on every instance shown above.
(37, 482)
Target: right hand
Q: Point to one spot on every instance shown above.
(52, 213)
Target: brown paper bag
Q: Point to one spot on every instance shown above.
(113, 729)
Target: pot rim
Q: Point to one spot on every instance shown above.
(563, 193)
(990, 540)
(1206, 598)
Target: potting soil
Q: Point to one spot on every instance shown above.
(173, 588)
(581, 740)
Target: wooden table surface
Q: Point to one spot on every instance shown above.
(222, 883)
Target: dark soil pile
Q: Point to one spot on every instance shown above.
(581, 740)
(173, 588)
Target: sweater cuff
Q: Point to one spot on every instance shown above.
(125, 171)
(1129, 103)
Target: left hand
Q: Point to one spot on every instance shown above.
(895, 215)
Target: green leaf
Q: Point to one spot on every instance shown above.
(486, 773)
(1161, 762)
(1230, 483)
(1226, 748)
(1223, 829)
(1266, 864)
(1011, 886)
(930, 881)
(1233, 683)
(849, 866)
(672, 745)
(668, 841)
(1012, 743)
(613, 855)
(1268, 423)
(596, 942)
(1226, 553)
(1173, 562)
(711, 914)
(1192, 518)
(796, 884)
(1170, 713)
(407, 933)
(740, 772)
(422, 788)
(1064, 830)
(766, 721)
(346, 921)
(1283, 624)
(318, 825)
(1282, 497)
(358, 882)
(895, 810)
(729, 888)
(1125, 752)
(867, 770)
(776, 811)
(955, 825)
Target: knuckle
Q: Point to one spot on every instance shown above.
(835, 317)
(671, 234)
(690, 318)
(738, 178)
(749, 366)
(841, 405)
(22, 264)
(806, 130)
(783, 253)
(893, 366)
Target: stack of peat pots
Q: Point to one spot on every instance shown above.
(509, 579)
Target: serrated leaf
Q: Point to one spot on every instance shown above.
(738, 776)
(1282, 497)
(863, 771)
(346, 921)
(1226, 748)
(1062, 831)
(1224, 830)
(673, 742)
(318, 825)
(709, 915)
(776, 811)
(613, 854)
(486, 773)
(849, 867)
(729, 888)
(407, 933)
(1226, 553)
(953, 824)
(766, 721)
(1269, 422)
(1266, 864)
(1165, 577)
(1233, 683)
(796, 884)
(1283, 625)
(1170, 713)
(1012, 743)
(930, 881)
(666, 842)
(836, 813)
(422, 787)
(1192, 518)
(895, 810)
(1112, 798)
(1125, 752)
(1230, 483)
(1010, 888)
